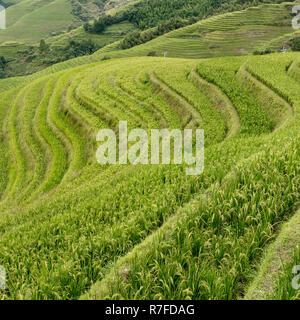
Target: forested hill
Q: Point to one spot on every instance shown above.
(72, 227)
(149, 13)
(30, 21)
(22, 44)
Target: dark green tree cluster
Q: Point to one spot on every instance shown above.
(262, 52)
(150, 13)
(3, 64)
(161, 16)
(80, 48)
(138, 37)
(46, 55)
(43, 46)
(102, 23)
(295, 44)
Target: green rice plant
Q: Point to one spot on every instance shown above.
(138, 85)
(274, 277)
(108, 86)
(17, 167)
(124, 231)
(100, 104)
(77, 158)
(210, 121)
(86, 122)
(189, 116)
(254, 119)
(129, 86)
(221, 102)
(6, 99)
(294, 69)
(151, 110)
(207, 250)
(31, 102)
(58, 163)
(277, 108)
(284, 289)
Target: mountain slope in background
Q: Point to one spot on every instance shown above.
(29, 21)
(68, 224)
(72, 228)
(236, 33)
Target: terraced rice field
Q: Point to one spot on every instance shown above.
(71, 228)
(230, 34)
(31, 20)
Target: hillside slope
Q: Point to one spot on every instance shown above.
(236, 33)
(147, 231)
(59, 23)
(259, 28)
(71, 228)
(29, 21)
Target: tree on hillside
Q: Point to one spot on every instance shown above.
(43, 46)
(296, 44)
(80, 48)
(3, 63)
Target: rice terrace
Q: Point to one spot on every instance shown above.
(136, 225)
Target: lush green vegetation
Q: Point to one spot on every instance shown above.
(222, 231)
(295, 44)
(23, 53)
(150, 13)
(71, 228)
(3, 63)
(30, 21)
(164, 16)
(262, 29)
(283, 290)
(66, 221)
(138, 37)
(274, 280)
